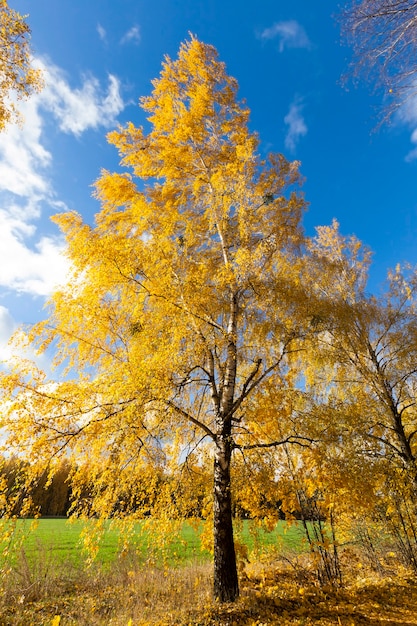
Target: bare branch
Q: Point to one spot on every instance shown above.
(251, 382)
(304, 442)
(383, 35)
(191, 419)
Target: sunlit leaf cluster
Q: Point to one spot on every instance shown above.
(18, 77)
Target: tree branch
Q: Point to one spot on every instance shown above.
(304, 442)
(191, 419)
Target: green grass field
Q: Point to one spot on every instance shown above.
(61, 541)
(47, 582)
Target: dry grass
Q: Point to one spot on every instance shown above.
(283, 593)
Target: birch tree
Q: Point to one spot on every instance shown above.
(368, 345)
(185, 300)
(383, 34)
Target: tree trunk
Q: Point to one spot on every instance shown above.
(226, 586)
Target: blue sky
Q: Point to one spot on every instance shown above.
(99, 58)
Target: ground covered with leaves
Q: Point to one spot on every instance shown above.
(270, 594)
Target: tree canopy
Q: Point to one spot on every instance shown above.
(209, 356)
(18, 78)
(184, 304)
(383, 34)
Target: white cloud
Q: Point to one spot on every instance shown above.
(23, 269)
(101, 32)
(289, 33)
(30, 263)
(7, 328)
(412, 155)
(407, 115)
(14, 345)
(77, 110)
(23, 158)
(131, 36)
(297, 127)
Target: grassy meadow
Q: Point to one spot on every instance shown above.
(49, 583)
(62, 540)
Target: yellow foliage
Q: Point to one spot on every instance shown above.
(17, 76)
(182, 286)
(181, 337)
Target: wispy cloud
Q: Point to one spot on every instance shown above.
(24, 269)
(30, 263)
(290, 34)
(131, 36)
(7, 328)
(407, 115)
(412, 155)
(102, 32)
(23, 158)
(14, 345)
(88, 106)
(27, 265)
(297, 127)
